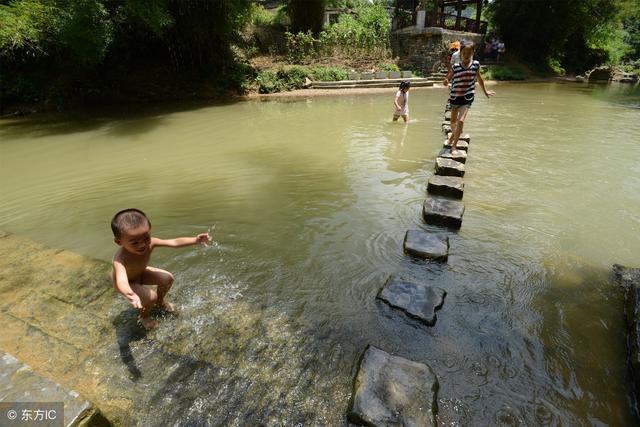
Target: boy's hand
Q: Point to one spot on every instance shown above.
(134, 299)
(445, 82)
(204, 238)
(490, 93)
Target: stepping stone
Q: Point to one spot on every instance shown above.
(436, 211)
(417, 300)
(447, 115)
(448, 167)
(20, 383)
(393, 391)
(462, 145)
(460, 156)
(451, 186)
(446, 128)
(426, 245)
(446, 123)
(464, 137)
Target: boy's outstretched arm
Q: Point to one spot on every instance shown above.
(180, 242)
(481, 82)
(122, 285)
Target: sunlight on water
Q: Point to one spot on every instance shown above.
(308, 201)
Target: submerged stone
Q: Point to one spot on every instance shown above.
(451, 186)
(417, 300)
(460, 156)
(448, 167)
(461, 145)
(393, 391)
(445, 212)
(426, 245)
(629, 279)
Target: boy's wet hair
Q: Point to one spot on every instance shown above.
(467, 43)
(405, 84)
(127, 219)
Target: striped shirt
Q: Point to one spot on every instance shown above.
(463, 82)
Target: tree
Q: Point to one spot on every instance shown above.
(306, 15)
(578, 34)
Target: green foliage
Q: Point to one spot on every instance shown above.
(293, 77)
(387, 66)
(504, 72)
(576, 34)
(363, 34)
(301, 47)
(258, 15)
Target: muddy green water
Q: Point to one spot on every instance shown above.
(309, 201)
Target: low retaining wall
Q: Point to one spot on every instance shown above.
(425, 48)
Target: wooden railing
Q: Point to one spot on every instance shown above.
(455, 22)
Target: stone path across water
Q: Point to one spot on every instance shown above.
(390, 390)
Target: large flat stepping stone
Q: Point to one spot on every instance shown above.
(426, 245)
(447, 115)
(462, 145)
(448, 167)
(464, 137)
(393, 391)
(445, 212)
(451, 186)
(20, 383)
(460, 156)
(417, 300)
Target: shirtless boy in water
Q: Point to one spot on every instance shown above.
(131, 270)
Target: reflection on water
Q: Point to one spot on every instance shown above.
(310, 201)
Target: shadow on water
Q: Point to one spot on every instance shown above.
(118, 121)
(129, 330)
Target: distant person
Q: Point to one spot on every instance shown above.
(454, 54)
(487, 50)
(131, 270)
(463, 78)
(495, 41)
(402, 101)
(501, 49)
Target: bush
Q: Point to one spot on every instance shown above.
(504, 72)
(293, 77)
(388, 67)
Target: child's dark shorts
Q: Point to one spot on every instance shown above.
(461, 101)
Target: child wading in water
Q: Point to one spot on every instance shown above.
(131, 270)
(463, 89)
(402, 101)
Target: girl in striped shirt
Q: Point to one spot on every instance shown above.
(463, 76)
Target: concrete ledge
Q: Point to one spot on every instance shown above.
(19, 383)
(629, 279)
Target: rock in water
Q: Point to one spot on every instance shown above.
(417, 300)
(393, 391)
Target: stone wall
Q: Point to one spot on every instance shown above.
(425, 49)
